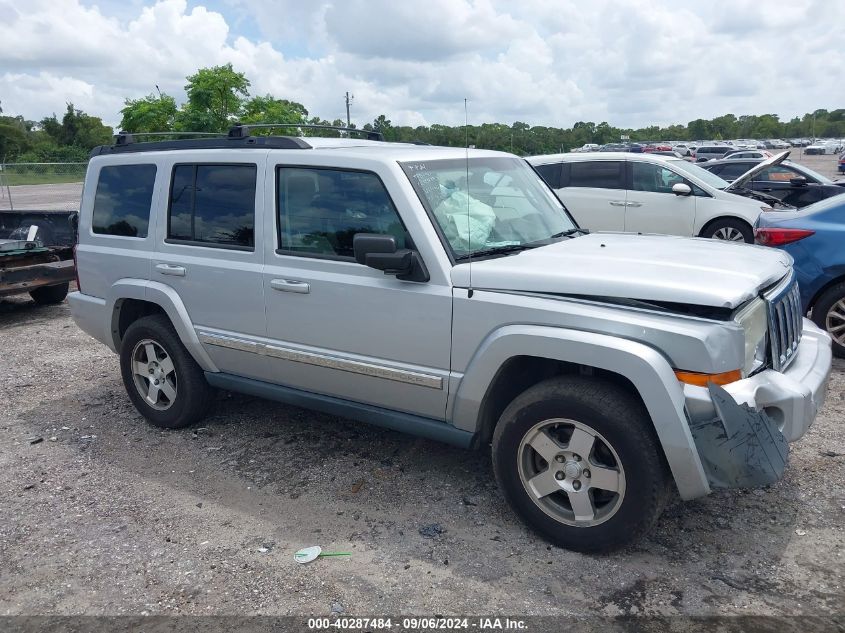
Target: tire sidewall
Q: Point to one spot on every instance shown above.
(170, 418)
(643, 474)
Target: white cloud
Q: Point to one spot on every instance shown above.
(545, 62)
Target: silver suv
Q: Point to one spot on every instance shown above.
(446, 293)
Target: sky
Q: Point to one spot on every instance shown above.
(631, 63)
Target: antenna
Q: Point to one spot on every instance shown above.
(466, 163)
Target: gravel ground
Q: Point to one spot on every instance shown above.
(104, 514)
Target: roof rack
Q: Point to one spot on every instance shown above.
(237, 137)
(242, 130)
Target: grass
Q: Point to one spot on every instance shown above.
(40, 179)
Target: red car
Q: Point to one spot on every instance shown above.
(657, 147)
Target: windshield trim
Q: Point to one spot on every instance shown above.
(454, 259)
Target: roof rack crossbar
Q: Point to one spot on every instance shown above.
(242, 130)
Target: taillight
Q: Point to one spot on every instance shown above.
(778, 237)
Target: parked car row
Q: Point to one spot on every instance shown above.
(702, 150)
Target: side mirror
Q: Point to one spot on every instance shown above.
(681, 189)
(799, 181)
(379, 251)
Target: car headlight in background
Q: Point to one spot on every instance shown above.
(754, 320)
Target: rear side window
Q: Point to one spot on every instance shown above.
(123, 199)
(213, 205)
(321, 210)
(551, 174)
(600, 174)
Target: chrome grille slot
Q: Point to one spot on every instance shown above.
(785, 323)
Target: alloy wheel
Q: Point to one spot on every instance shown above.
(154, 374)
(835, 321)
(571, 472)
(729, 234)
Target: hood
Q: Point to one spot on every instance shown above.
(744, 179)
(694, 271)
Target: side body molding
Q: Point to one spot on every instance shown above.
(164, 296)
(646, 368)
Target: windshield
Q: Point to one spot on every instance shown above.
(700, 173)
(482, 205)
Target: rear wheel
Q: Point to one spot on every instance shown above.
(162, 379)
(829, 314)
(730, 230)
(48, 295)
(577, 459)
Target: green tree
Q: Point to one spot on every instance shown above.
(149, 114)
(268, 109)
(216, 98)
(77, 129)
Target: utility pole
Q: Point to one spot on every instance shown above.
(349, 99)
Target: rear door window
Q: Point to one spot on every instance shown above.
(213, 205)
(732, 171)
(598, 174)
(123, 199)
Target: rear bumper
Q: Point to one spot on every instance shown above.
(791, 399)
(91, 315)
(25, 278)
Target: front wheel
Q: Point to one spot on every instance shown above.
(829, 315)
(579, 462)
(730, 230)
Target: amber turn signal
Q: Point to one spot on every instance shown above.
(702, 380)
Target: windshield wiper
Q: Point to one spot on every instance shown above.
(569, 232)
(497, 250)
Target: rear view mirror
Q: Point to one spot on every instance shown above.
(379, 251)
(798, 181)
(681, 189)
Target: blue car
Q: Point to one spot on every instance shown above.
(814, 236)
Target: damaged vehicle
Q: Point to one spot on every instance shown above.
(447, 293)
(36, 254)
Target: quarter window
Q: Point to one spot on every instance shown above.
(123, 199)
(600, 174)
(321, 210)
(213, 205)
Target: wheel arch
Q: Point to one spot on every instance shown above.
(516, 355)
(131, 299)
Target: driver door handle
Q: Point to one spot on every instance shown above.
(617, 203)
(633, 204)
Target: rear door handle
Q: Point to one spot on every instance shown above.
(171, 269)
(290, 285)
(617, 203)
(633, 204)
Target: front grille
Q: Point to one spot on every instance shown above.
(785, 324)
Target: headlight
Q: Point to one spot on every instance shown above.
(754, 321)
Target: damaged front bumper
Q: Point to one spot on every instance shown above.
(741, 431)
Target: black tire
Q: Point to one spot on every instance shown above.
(193, 395)
(726, 226)
(49, 295)
(621, 420)
(825, 320)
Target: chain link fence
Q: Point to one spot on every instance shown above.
(41, 186)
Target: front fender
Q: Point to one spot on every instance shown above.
(166, 298)
(643, 366)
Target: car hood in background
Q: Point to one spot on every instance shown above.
(694, 271)
(744, 179)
